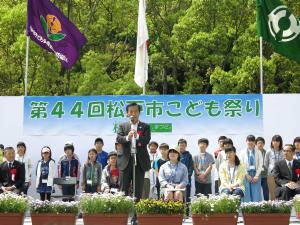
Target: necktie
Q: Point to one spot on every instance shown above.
(290, 167)
(9, 165)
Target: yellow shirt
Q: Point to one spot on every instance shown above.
(239, 176)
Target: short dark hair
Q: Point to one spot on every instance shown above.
(277, 138)
(69, 146)
(203, 140)
(21, 143)
(173, 150)
(132, 105)
(181, 140)
(228, 141)
(297, 139)
(153, 143)
(260, 139)
(98, 139)
(1, 146)
(222, 138)
(250, 137)
(292, 147)
(9, 149)
(163, 145)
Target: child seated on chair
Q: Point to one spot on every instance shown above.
(173, 177)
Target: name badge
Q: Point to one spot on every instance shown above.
(252, 167)
(90, 182)
(44, 181)
(113, 190)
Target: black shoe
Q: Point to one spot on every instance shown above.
(134, 220)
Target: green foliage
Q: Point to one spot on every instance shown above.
(296, 201)
(37, 206)
(267, 207)
(158, 206)
(12, 203)
(105, 203)
(203, 46)
(216, 204)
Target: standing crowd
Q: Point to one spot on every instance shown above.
(255, 174)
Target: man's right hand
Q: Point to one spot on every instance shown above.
(131, 134)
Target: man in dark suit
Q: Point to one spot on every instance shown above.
(12, 173)
(286, 173)
(140, 132)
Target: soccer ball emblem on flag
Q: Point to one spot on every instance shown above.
(283, 25)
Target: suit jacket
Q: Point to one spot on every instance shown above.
(142, 155)
(282, 174)
(18, 169)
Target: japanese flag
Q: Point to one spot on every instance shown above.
(141, 63)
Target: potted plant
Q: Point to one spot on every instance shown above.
(49, 213)
(296, 202)
(215, 210)
(267, 212)
(110, 209)
(12, 208)
(157, 211)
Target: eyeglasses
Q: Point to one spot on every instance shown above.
(46, 153)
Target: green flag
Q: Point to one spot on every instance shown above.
(278, 26)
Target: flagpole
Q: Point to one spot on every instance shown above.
(26, 66)
(261, 66)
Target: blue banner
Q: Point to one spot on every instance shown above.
(175, 114)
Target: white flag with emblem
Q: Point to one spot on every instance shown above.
(141, 63)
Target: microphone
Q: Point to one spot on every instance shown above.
(133, 141)
(130, 117)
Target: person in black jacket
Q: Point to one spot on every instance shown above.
(12, 173)
(140, 132)
(286, 173)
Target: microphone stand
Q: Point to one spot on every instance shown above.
(133, 155)
(134, 163)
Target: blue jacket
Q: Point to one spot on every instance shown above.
(102, 158)
(70, 168)
(187, 159)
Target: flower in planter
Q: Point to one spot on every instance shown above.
(106, 203)
(158, 206)
(267, 207)
(296, 202)
(59, 207)
(12, 203)
(219, 204)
